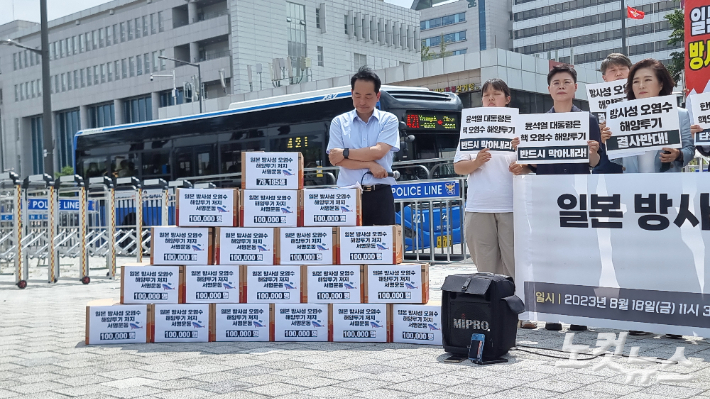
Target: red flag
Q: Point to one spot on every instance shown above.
(634, 13)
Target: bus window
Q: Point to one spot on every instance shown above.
(195, 161)
(123, 165)
(183, 163)
(155, 165)
(92, 167)
(231, 154)
(205, 160)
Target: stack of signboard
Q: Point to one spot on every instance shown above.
(272, 262)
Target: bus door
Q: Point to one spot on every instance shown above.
(195, 161)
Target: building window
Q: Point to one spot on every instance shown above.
(130, 29)
(138, 27)
(67, 126)
(296, 17)
(481, 24)
(117, 68)
(102, 38)
(139, 64)
(95, 41)
(152, 24)
(138, 109)
(145, 26)
(318, 17)
(155, 61)
(109, 36)
(320, 55)
(146, 63)
(124, 68)
(443, 21)
(160, 21)
(131, 66)
(82, 77)
(359, 60)
(346, 23)
(162, 61)
(37, 147)
(123, 32)
(76, 80)
(103, 73)
(448, 38)
(101, 115)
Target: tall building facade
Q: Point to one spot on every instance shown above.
(584, 32)
(464, 25)
(106, 67)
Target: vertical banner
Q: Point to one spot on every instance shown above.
(602, 95)
(642, 125)
(487, 127)
(553, 138)
(697, 43)
(628, 251)
(700, 104)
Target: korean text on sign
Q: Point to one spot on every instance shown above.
(487, 127)
(553, 138)
(602, 95)
(701, 116)
(647, 124)
(698, 52)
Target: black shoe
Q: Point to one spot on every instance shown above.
(674, 336)
(637, 333)
(576, 327)
(553, 326)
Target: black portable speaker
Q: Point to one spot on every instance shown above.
(480, 303)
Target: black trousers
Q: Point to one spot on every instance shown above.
(378, 207)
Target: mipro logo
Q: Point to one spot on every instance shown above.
(465, 324)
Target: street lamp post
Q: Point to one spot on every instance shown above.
(174, 85)
(199, 75)
(47, 136)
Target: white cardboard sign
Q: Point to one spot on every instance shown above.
(278, 170)
(212, 284)
(245, 246)
(301, 322)
(306, 246)
(701, 116)
(416, 324)
(273, 284)
(206, 207)
(150, 284)
(270, 208)
(241, 322)
(182, 323)
(602, 95)
(334, 284)
(394, 283)
(329, 207)
(125, 324)
(181, 246)
(553, 138)
(487, 127)
(366, 245)
(360, 323)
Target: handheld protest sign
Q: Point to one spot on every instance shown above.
(301, 322)
(181, 323)
(181, 245)
(269, 208)
(244, 246)
(331, 207)
(487, 127)
(207, 207)
(370, 245)
(122, 324)
(272, 284)
(332, 284)
(301, 246)
(602, 95)
(701, 116)
(212, 284)
(416, 324)
(240, 322)
(647, 124)
(403, 283)
(359, 322)
(272, 170)
(553, 138)
(152, 284)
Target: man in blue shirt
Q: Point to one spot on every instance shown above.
(362, 143)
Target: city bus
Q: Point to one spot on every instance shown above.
(210, 144)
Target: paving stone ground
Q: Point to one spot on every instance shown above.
(42, 355)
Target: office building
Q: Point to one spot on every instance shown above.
(106, 70)
(464, 25)
(584, 32)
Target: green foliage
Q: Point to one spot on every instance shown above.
(426, 53)
(66, 171)
(676, 20)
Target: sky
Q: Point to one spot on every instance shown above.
(28, 10)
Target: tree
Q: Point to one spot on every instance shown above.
(443, 53)
(676, 20)
(66, 171)
(426, 53)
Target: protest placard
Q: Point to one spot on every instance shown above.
(553, 138)
(272, 170)
(487, 127)
(701, 116)
(207, 207)
(602, 95)
(647, 124)
(244, 246)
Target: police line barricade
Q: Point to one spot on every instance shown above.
(71, 208)
(129, 217)
(155, 209)
(431, 213)
(40, 223)
(101, 223)
(10, 228)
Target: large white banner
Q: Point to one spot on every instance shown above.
(619, 251)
